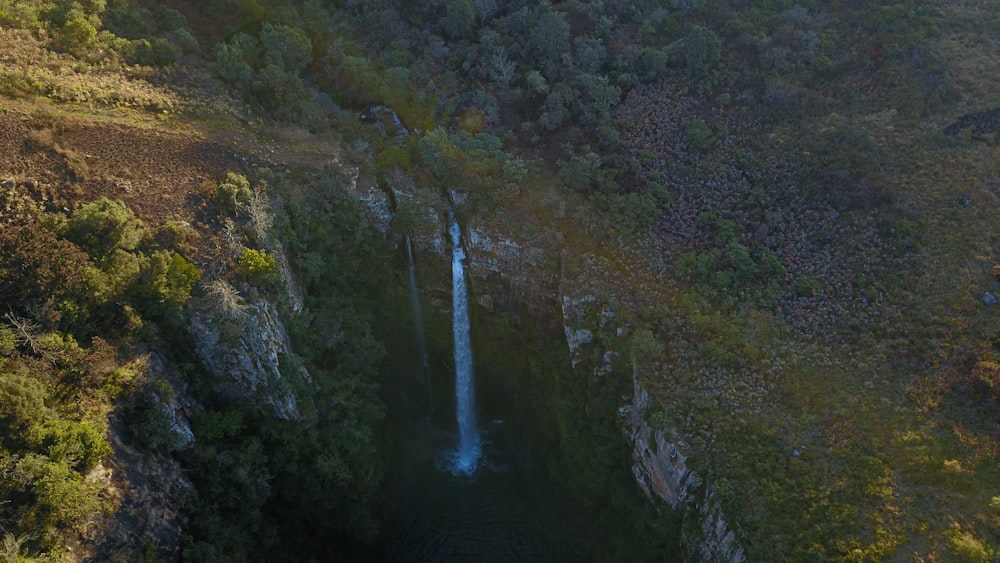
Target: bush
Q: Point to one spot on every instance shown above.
(259, 267)
(104, 226)
(286, 47)
(702, 50)
(78, 37)
(698, 134)
(233, 193)
(80, 445)
(168, 281)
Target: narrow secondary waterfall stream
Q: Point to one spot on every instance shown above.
(466, 455)
(418, 315)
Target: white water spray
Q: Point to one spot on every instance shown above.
(467, 454)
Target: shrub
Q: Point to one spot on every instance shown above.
(259, 267)
(103, 226)
(231, 66)
(807, 287)
(233, 193)
(698, 134)
(286, 47)
(702, 50)
(168, 282)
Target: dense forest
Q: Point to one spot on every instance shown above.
(788, 209)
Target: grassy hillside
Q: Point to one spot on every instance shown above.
(800, 200)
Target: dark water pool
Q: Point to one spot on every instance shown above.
(504, 511)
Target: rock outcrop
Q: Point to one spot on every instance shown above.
(148, 491)
(660, 468)
(247, 365)
(511, 273)
(177, 406)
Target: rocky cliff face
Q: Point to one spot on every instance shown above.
(247, 366)
(593, 331)
(148, 491)
(660, 468)
(145, 489)
(507, 272)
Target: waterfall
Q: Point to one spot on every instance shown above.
(418, 317)
(467, 454)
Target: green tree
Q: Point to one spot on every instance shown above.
(22, 404)
(103, 226)
(585, 172)
(459, 19)
(61, 495)
(167, 285)
(281, 92)
(589, 53)
(473, 162)
(651, 64)
(288, 48)
(702, 51)
(556, 108)
(80, 445)
(78, 37)
(645, 350)
(598, 96)
(549, 40)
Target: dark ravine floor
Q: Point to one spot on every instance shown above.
(505, 511)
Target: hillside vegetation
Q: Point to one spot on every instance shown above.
(799, 199)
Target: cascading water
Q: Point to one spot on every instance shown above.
(482, 495)
(466, 456)
(418, 318)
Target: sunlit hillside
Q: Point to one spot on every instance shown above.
(764, 233)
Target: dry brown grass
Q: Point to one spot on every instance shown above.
(27, 68)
